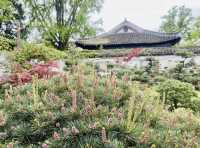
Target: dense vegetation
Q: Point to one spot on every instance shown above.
(80, 109)
(82, 105)
(179, 19)
(39, 52)
(61, 20)
(195, 50)
(6, 44)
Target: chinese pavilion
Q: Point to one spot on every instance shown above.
(129, 35)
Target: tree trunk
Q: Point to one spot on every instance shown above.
(59, 5)
(175, 104)
(184, 62)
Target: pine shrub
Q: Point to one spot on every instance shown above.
(79, 109)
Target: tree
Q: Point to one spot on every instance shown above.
(61, 20)
(153, 66)
(178, 19)
(195, 32)
(176, 93)
(5, 10)
(12, 16)
(184, 55)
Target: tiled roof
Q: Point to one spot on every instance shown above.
(126, 38)
(136, 36)
(129, 24)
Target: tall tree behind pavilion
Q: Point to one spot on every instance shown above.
(61, 20)
(178, 19)
(195, 31)
(12, 15)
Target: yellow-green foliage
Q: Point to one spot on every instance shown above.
(78, 102)
(72, 56)
(141, 97)
(177, 93)
(33, 51)
(88, 54)
(154, 126)
(75, 54)
(80, 109)
(6, 44)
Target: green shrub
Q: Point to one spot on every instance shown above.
(47, 110)
(80, 110)
(33, 51)
(88, 54)
(6, 44)
(176, 93)
(72, 56)
(159, 79)
(154, 126)
(75, 54)
(184, 54)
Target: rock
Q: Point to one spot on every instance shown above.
(3, 135)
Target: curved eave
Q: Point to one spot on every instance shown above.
(167, 43)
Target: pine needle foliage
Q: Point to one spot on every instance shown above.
(79, 109)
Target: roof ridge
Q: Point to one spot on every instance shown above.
(125, 23)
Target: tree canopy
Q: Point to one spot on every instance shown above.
(195, 32)
(178, 19)
(61, 20)
(5, 10)
(12, 15)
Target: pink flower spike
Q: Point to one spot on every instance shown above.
(75, 131)
(65, 131)
(44, 145)
(74, 100)
(10, 145)
(56, 136)
(103, 135)
(58, 124)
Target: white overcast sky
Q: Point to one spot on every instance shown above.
(145, 13)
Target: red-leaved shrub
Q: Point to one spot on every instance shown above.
(40, 70)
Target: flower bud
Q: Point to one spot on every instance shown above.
(103, 135)
(58, 124)
(44, 145)
(75, 131)
(56, 136)
(10, 145)
(65, 131)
